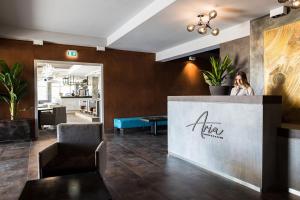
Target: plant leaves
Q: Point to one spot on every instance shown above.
(4, 98)
(220, 69)
(207, 80)
(4, 67)
(16, 70)
(16, 88)
(2, 78)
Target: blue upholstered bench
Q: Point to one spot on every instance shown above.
(133, 122)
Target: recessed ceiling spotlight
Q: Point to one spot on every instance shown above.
(204, 24)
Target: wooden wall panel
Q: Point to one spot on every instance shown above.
(134, 84)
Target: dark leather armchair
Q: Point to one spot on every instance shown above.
(55, 117)
(80, 148)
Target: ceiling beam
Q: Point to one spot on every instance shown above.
(59, 38)
(204, 43)
(151, 10)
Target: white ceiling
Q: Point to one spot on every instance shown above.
(161, 24)
(168, 28)
(95, 18)
(63, 69)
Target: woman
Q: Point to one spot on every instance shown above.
(241, 85)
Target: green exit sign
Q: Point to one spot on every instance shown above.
(72, 53)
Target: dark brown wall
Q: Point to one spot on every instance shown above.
(134, 84)
(183, 77)
(15, 51)
(239, 51)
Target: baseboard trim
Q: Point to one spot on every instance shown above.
(244, 183)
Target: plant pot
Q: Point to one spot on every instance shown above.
(219, 90)
(17, 130)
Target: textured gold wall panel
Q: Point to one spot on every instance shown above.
(282, 68)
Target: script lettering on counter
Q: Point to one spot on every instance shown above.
(207, 128)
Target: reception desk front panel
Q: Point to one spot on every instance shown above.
(230, 136)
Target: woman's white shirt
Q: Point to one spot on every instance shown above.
(242, 91)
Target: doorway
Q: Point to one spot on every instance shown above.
(77, 86)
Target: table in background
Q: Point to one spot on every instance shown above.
(154, 120)
(85, 186)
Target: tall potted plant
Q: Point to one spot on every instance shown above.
(15, 89)
(221, 69)
(14, 85)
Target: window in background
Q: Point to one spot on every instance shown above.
(56, 90)
(42, 87)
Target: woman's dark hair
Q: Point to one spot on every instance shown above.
(244, 78)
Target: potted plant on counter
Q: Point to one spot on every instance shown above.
(15, 89)
(221, 69)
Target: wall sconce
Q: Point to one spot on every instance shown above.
(192, 58)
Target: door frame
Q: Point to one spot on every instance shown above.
(36, 61)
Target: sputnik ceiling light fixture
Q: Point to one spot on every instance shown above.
(204, 24)
(291, 3)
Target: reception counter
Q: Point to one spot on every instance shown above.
(234, 137)
(73, 103)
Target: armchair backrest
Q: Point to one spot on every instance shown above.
(60, 115)
(85, 137)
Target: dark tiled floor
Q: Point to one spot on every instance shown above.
(13, 169)
(138, 169)
(45, 139)
(18, 162)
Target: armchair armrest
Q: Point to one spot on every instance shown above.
(101, 158)
(47, 155)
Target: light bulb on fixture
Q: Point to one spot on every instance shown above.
(202, 30)
(215, 31)
(190, 27)
(212, 14)
(295, 4)
(204, 25)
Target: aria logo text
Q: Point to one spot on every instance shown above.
(207, 128)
